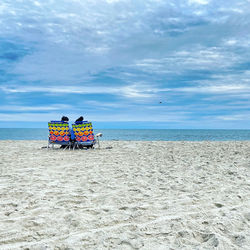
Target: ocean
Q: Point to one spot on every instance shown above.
(137, 134)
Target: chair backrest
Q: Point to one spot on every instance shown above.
(59, 132)
(84, 132)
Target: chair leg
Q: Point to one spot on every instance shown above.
(67, 146)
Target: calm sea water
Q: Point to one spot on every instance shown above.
(137, 134)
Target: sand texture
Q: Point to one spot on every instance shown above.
(135, 195)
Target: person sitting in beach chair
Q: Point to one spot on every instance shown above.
(82, 134)
(59, 133)
(79, 120)
(64, 119)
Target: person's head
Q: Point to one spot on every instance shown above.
(64, 119)
(80, 119)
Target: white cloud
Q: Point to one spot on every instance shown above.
(21, 108)
(231, 42)
(113, 1)
(125, 116)
(130, 91)
(201, 2)
(217, 89)
(196, 58)
(240, 117)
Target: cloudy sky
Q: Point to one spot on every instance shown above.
(126, 63)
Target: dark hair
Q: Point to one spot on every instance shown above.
(64, 119)
(80, 119)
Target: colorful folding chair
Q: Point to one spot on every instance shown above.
(59, 133)
(84, 135)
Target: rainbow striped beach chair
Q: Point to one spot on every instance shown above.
(84, 135)
(59, 133)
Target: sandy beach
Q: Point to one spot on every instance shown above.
(135, 195)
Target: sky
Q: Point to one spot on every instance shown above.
(126, 63)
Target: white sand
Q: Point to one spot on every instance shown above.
(137, 195)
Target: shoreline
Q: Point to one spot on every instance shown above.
(128, 194)
(148, 141)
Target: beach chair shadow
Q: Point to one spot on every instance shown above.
(84, 135)
(59, 133)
